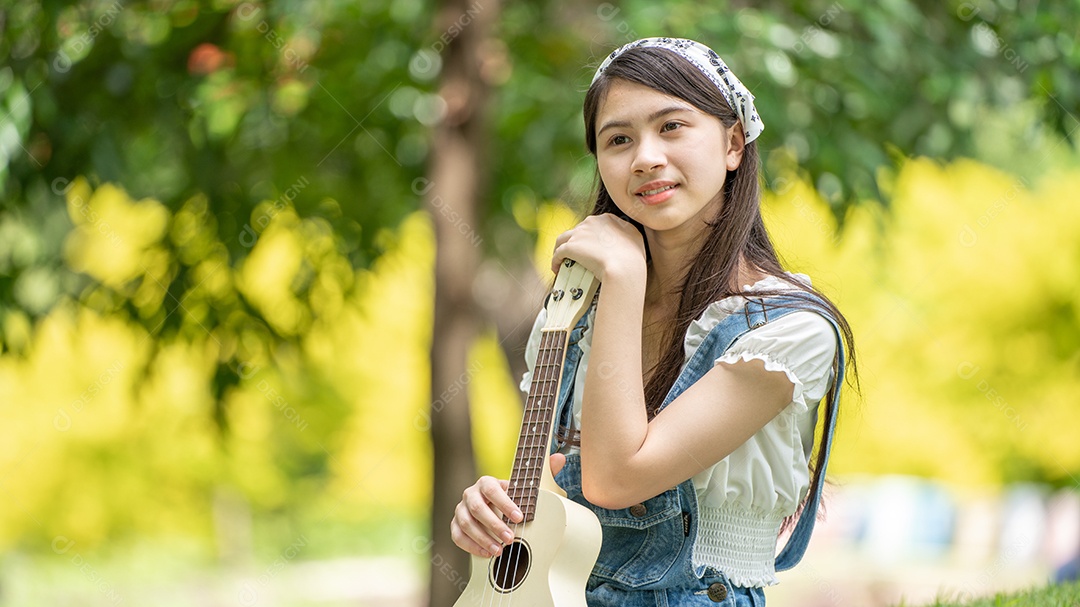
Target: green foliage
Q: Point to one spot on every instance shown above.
(844, 89)
(241, 101)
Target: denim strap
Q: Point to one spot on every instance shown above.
(800, 538)
(566, 384)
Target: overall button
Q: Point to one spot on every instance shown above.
(717, 592)
(638, 510)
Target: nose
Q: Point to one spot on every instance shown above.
(649, 156)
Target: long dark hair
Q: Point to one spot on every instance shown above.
(736, 235)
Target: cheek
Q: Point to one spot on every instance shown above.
(706, 169)
(613, 179)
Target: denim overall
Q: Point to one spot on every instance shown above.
(646, 555)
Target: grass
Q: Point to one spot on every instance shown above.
(1056, 595)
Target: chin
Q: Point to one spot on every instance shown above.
(661, 225)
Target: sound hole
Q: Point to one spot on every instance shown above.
(509, 569)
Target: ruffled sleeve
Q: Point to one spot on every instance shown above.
(801, 345)
(531, 350)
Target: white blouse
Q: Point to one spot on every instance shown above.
(744, 498)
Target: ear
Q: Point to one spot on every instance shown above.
(736, 146)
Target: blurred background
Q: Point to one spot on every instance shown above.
(267, 270)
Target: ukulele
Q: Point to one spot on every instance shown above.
(556, 545)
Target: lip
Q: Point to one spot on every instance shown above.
(660, 196)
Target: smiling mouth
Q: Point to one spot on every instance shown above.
(656, 191)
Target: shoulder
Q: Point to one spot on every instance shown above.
(798, 336)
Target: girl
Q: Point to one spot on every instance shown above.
(690, 438)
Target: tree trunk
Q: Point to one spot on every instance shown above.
(454, 187)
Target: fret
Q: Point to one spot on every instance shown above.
(525, 459)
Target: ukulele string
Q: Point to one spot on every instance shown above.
(502, 572)
(531, 442)
(553, 349)
(499, 573)
(549, 390)
(499, 577)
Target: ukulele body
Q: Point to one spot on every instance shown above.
(548, 563)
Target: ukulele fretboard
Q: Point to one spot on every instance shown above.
(533, 442)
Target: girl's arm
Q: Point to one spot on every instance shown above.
(625, 458)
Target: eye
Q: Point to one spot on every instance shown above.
(670, 126)
(618, 140)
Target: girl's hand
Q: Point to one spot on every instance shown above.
(605, 244)
(478, 527)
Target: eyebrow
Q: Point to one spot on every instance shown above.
(653, 116)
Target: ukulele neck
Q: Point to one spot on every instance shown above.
(534, 442)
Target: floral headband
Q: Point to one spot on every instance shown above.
(714, 68)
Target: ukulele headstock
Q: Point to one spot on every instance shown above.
(571, 296)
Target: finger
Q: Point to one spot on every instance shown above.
(482, 538)
(558, 253)
(466, 543)
(557, 461)
(562, 238)
(496, 494)
(487, 503)
(557, 258)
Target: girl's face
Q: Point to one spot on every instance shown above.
(663, 161)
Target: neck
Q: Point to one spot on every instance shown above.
(670, 257)
(666, 267)
(671, 252)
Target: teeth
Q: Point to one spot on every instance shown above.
(656, 191)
